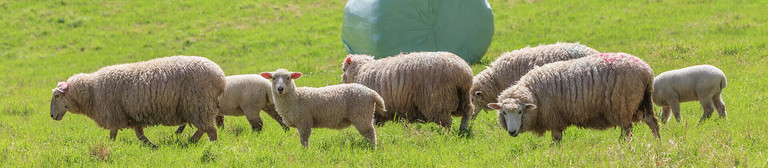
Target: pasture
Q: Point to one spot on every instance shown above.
(44, 42)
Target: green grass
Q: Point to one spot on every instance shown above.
(43, 42)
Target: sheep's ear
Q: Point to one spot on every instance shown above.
(530, 106)
(62, 87)
(266, 75)
(495, 106)
(348, 60)
(296, 75)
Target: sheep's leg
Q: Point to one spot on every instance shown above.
(708, 107)
(557, 135)
(367, 130)
(665, 114)
(653, 124)
(252, 114)
(198, 134)
(305, 130)
(140, 135)
(180, 129)
(719, 105)
(220, 121)
(626, 132)
(273, 113)
(113, 134)
(464, 127)
(213, 134)
(674, 105)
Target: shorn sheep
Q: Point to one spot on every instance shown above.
(247, 95)
(510, 66)
(704, 83)
(598, 91)
(164, 91)
(335, 107)
(421, 86)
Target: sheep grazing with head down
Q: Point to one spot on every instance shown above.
(704, 83)
(598, 91)
(335, 107)
(164, 91)
(510, 66)
(246, 95)
(421, 86)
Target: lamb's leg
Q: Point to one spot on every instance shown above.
(113, 134)
(140, 135)
(719, 105)
(367, 129)
(180, 129)
(305, 130)
(674, 105)
(707, 106)
(665, 114)
(273, 113)
(252, 114)
(220, 121)
(557, 135)
(626, 132)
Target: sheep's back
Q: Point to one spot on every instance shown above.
(687, 83)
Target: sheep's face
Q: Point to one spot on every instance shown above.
(350, 65)
(479, 99)
(511, 115)
(60, 102)
(282, 80)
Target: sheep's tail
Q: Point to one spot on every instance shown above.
(723, 83)
(380, 109)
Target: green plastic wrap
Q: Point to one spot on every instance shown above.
(384, 28)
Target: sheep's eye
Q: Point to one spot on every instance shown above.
(55, 96)
(66, 106)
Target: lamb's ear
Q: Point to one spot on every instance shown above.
(348, 60)
(296, 75)
(495, 106)
(530, 106)
(266, 75)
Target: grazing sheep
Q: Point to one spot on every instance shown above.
(510, 66)
(335, 107)
(704, 83)
(421, 86)
(164, 91)
(598, 91)
(246, 95)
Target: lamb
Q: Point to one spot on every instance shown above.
(246, 95)
(704, 83)
(421, 86)
(598, 91)
(335, 107)
(510, 66)
(164, 91)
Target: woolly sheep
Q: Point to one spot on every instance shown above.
(164, 91)
(510, 66)
(246, 95)
(421, 86)
(598, 91)
(704, 83)
(335, 107)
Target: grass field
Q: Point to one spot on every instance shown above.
(43, 42)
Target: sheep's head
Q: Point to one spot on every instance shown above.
(482, 93)
(511, 113)
(350, 65)
(60, 101)
(282, 80)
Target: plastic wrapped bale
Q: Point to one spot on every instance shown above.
(383, 28)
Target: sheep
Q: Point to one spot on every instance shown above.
(510, 66)
(246, 95)
(164, 91)
(598, 91)
(334, 107)
(420, 86)
(704, 83)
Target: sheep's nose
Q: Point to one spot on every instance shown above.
(512, 133)
(280, 89)
(51, 115)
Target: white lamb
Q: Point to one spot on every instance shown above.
(704, 83)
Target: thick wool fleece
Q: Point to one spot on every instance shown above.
(422, 86)
(598, 91)
(510, 66)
